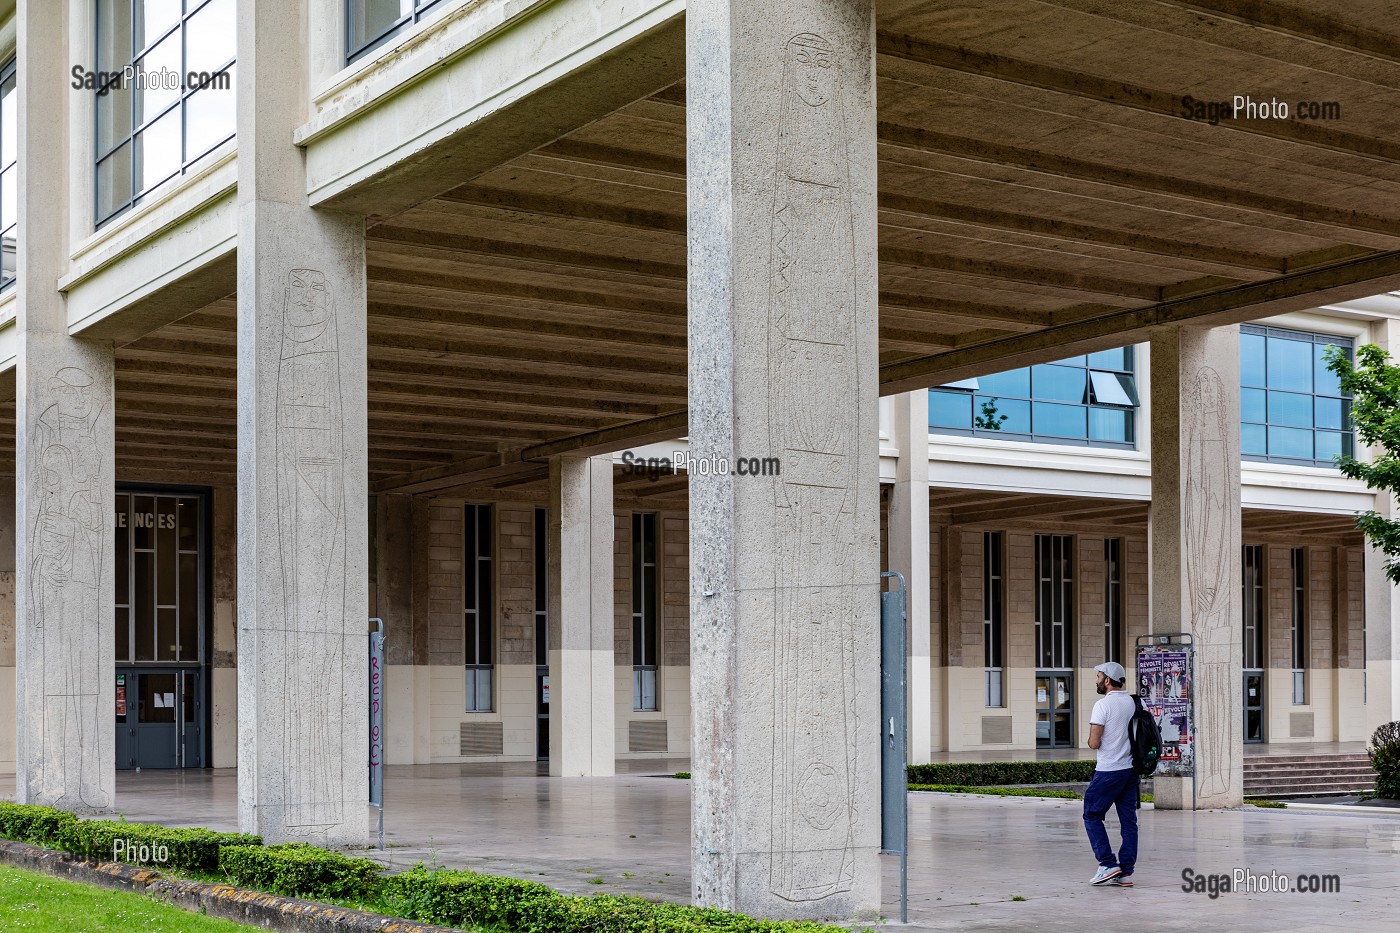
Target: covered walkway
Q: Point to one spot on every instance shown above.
(970, 856)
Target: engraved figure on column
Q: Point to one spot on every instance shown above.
(812, 334)
(65, 588)
(311, 528)
(1208, 535)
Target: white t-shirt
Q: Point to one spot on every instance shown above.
(1114, 711)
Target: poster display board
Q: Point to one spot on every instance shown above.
(1166, 685)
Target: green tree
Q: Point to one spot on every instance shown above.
(1373, 382)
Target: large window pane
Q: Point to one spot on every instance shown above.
(1292, 443)
(209, 36)
(1291, 409)
(1252, 360)
(1059, 383)
(1059, 420)
(1325, 381)
(1327, 444)
(1119, 359)
(1254, 439)
(950, 409)
(1331, 413)
(1014, 382)
(209, 118)
(1109, 424)
(1016, 412)
(372, 22)
(158, 152)
(154, 18)
(159, 65)
(1290, 365)
(1252, 405)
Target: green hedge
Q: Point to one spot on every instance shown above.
(467, 899)
(195, 850)
(1384, 752)
(26, 822)
(993, 773)
(299, 870)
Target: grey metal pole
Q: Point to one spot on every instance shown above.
(894, 747)
(376, 722)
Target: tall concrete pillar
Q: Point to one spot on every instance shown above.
(1195, 530)
(1382, 688)
(65, 468)
(909, 555)
(783, 363)
(582, 681)
(302, 467)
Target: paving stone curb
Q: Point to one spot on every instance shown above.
(268, 911)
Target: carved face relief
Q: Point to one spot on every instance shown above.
(308, 304)
(813, 69)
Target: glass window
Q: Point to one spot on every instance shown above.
(541, 588)
(1054, 601)
(480, 607)
(9, 173)
(371, 23)
(1252, 582)
(1299, 627)
(1292, 409)
(1113, 600)
(993, 617)
(168, 99)
(1089, 399)
(645, 606)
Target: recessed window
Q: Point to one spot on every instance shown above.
(1298, 635)
(1113, 600)
(993, 619)
(9, 173)
(1090, 400)
(480, 608)
(1054, 602)
(645, 606)
(168, 97)
(1292, 409)
(371, 23)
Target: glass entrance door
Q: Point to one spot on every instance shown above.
(159, 719)
(161, 628)
(1254, 706)
(1054, 709)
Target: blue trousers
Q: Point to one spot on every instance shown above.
(1113, 789)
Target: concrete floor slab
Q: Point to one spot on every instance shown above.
(969, 855)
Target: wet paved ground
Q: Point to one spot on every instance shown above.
(970, 856)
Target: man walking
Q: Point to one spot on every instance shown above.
(1115, 782)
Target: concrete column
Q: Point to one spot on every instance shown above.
(579, 554)
(302, 467)
(1382, 601)
(784, 569)
(65, 467)
(909, 555)
(1195, 529)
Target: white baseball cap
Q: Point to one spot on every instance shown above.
(1113, 671)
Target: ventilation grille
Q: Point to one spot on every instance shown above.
(482, 738)
(647, 736)
(1300, 725)
(996, 730)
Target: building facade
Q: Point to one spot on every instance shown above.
(324, 310)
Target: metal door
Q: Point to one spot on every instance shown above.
(1254, 706)
(158, 719)
(1054, 709)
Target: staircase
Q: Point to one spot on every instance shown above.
(1307, 775)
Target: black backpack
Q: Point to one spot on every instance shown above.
(1145, 739)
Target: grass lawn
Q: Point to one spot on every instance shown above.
(46, 905)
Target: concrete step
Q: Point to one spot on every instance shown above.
(1266, 760)
(1305, 790)
(1312, 768)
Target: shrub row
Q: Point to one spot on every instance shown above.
(1384, 752)
(994, 773)
(456, 898)
(299, 870)
(135, 843)
(467, 899)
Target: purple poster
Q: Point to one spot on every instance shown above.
(1164, 683)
